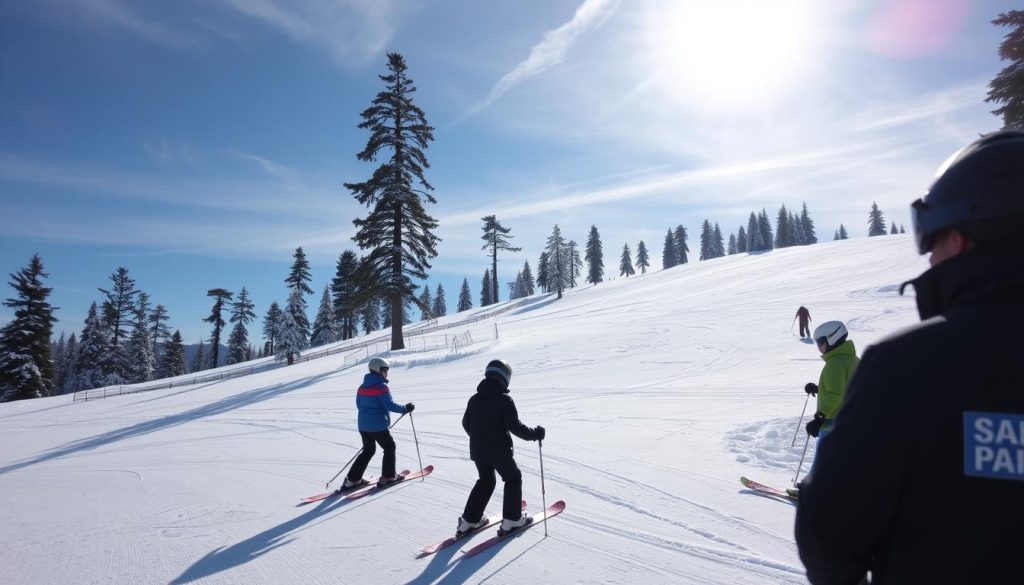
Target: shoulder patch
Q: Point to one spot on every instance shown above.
(994, 445)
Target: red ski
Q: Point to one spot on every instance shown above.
(553, 510)
(433, 548)
(763, 489)
(368, 489)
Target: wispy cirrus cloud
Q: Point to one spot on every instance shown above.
(551, 50)
(350, 31)
(120, 15)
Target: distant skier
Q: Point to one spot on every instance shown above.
(490, 416)
(373, 399)
(840, 361)
(805, 319)
(922, 478)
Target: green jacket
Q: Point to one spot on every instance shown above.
(839, 366)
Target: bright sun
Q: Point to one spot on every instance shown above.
(727, 52)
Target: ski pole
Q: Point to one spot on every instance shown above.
(801, 464)
(413, 423)
(543, 493)
(802, 413)
(328, 484)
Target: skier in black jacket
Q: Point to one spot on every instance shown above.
(922, 478)
(490, 416)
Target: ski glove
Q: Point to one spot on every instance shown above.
(410, 407)
(811, 388)
(540, 432)
(814, 426)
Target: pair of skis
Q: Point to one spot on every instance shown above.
(539, 517)
(367, 489)
(789, 494)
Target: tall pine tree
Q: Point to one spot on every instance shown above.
(643, 262)
(497, 239)
(527, 288)
(399, 231)
(1007, 88)
(324, 324)
(876, 221)
(272, 327)
(26, 361)
(542, 272)
(682, 249)
(440, 306)
(172, 362)
(670, 252)
(626, 263)
(808, 225)
(293, 333)
(485, 289)
(344, 288)
(221, 297)
(465, 297)
(93, 349)
(741, 241)
(558, 272)
(243, 311)
(595, 257)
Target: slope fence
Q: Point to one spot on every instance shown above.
(416, 338)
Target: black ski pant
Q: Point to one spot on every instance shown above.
(370, 442)
(805, 330)
(481, 494)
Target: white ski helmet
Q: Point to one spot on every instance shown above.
(831, 333)
(500, 368)
(377, 364)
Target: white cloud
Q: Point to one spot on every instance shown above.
(552, 49)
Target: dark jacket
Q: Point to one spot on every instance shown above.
(490, 416)
(900, 486)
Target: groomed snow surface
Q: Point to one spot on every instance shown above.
(658, 392)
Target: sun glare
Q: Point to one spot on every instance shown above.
(728, 52)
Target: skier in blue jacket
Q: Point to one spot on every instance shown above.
(373, 399)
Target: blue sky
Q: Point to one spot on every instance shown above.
(198, 143)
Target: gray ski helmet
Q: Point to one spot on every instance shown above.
(501, 368)
(979, 190)
(378, 363)
(831, 333)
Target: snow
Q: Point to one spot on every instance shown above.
(657, 392)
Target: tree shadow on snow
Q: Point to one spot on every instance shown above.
(230, 403)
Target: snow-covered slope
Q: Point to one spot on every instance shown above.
(657, 392)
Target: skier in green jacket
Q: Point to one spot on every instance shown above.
(840, 361)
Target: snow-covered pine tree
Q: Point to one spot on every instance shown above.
(299, 276)
(26, 361)
(842, 232)
(782, 231)
(426, 303)
(732, 244)
(272, 327)
(517, 287)
(527, 279)
(497, 239)
(1007, 87)
(808, 226)
(542, 272)
(158, 329)
(70, 372)
(670, 252)
(323, 324)
(558, 261)
(741, 241)
(755, 238)
(893, 230)
(440, 307)
(343, 289)
(293, 332)
(141, 361)
(118, 311)
(682, 248)
(876, 221)
(706, 252)
(172, 361)
(797, 228)
(221, 297)
(717, 241)
(465, 297)
(643, 261)
(93, 348)
(485, 289)
(595, 256)
(626, 262)
(766, 229)
(399, 231)
(243, 311)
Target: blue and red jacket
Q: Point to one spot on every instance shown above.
(373, 399)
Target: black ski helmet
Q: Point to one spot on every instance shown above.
(501, 369)
(979, 190)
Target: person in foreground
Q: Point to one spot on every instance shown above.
(490, 416)
(921, 479)
(373, 399)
